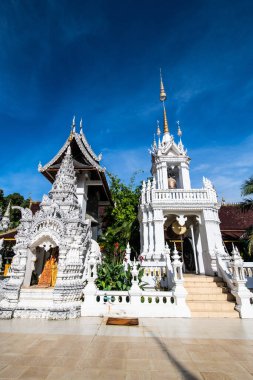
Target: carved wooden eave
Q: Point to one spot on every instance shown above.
(84, 159)
(90, 157)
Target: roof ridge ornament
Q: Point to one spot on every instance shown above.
(74, 124)
(179, 131)
(81, 125)
(158, 131)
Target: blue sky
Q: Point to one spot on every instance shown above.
(100, 60)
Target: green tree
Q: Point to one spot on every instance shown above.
(246, 205)
(16, 199)
(247, 189)
(122, 220)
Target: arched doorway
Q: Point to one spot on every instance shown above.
(183, 236)
(42, 261)
(45, 269)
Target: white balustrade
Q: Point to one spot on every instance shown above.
(248, 269)
(127, 304)
(179, 195)
(248, 273)
(232, 271)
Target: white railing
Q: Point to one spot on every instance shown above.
(181, 195)
(248, 272)
(232, 271)
(127, 304)
(248, 269)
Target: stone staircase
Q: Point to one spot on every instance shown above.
(208, 297)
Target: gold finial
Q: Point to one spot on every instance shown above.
(179, 132)
(165, 121)
(162, 92)
(73, 128)
(158, 131)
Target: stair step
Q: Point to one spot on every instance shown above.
(214, 314)
(211, 305)
(198, 278)
(200, 284)
(210, 297)
(206, 290)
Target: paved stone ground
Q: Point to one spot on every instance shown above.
(211, 349)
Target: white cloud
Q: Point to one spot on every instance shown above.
(28, 183)
(227, 166)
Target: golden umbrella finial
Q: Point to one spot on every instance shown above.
(162, 92)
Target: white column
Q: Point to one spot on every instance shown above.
(159, 181)
(194, 250)
(211, 239)
(150, 233)
(184, 176)
(164, 176)
(158, 232)
(145, 236)
(82, 192)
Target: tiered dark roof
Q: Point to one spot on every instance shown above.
(234, 222)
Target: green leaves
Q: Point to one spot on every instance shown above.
(246, 205)
(112, 275)
(123, 225)
(16, 199)
(247, 187)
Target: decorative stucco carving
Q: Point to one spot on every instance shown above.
(57, 223)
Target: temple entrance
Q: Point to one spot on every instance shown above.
(45, 269)
(188, 256)
(183, 231)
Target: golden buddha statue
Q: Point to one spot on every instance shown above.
(172, 183)
(49, 274)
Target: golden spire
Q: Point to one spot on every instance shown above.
(165, 121)
(162, 92)
(163, 98)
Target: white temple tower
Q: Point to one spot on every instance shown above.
(50, 253)
(171, 210)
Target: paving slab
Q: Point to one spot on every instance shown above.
(87, 348)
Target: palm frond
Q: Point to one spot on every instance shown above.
(247, 187)
(247, 204)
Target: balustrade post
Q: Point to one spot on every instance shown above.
(242, 294)
(135, 291)
(179, 290)
(90, 289)
(127, 257)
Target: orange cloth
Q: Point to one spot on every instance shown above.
(54, 271)
(6, 269)
(46, 276)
